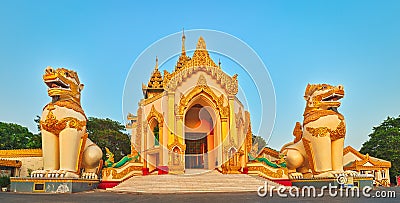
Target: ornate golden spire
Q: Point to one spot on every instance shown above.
(201, 57)
(156, 78)
(182, 58)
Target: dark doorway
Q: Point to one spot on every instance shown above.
(196, 150)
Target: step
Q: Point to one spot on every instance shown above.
(206, 181)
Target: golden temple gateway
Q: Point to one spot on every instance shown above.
(191, 118)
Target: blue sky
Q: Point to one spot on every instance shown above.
(354, 43)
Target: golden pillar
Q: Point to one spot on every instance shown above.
(180, 128)
(224, 134)
(160, 141)
(224, 129)
(232, 122)
(145, 125)
(171, 117)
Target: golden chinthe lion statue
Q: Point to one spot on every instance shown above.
(67, 150)
(317, 150)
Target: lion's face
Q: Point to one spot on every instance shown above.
(63, 83)
(323, 96)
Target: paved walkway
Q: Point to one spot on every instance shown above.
(108, 197)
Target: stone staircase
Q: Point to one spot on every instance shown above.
(211, 181)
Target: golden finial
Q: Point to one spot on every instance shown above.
(201, 44)
(183, 42)
(156, 68)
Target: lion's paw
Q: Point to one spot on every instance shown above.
(68, 174)
(296, 175)
(89, 175)
(38, 174)
(51, 174)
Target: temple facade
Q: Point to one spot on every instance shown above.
(20, 162)
(191, 118)
(365, 164)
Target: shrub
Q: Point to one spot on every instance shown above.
(4, 181)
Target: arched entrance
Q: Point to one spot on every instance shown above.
(153, 138)
(200, 122)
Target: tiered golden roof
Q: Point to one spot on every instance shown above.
(17, 153)
(200, 58)
(156, 78)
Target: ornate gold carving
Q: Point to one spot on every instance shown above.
(268, 173)
(218, 101)
(202, 80)
(16, 153)
(51, 124)
(227, 168)
(176, 143)
(310, 155)
(152, 99)
(10, 163)
(316, 114)
(139, 130)
(155, 114)
(200, 61)
(171, 81)
(266, 151)
(67, 104)
(229, 145)
(107, 172)
(318, 132)
(156, 79)
(176, 153)
(297, 132)
(239, 117)
(232, 86)
(200, 56)
(338, 133)
(249, 134)
(176, 110)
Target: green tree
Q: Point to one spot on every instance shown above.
(14, 136)
(260, 140)
(110, 134)
(37, 121)
(384, 143)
